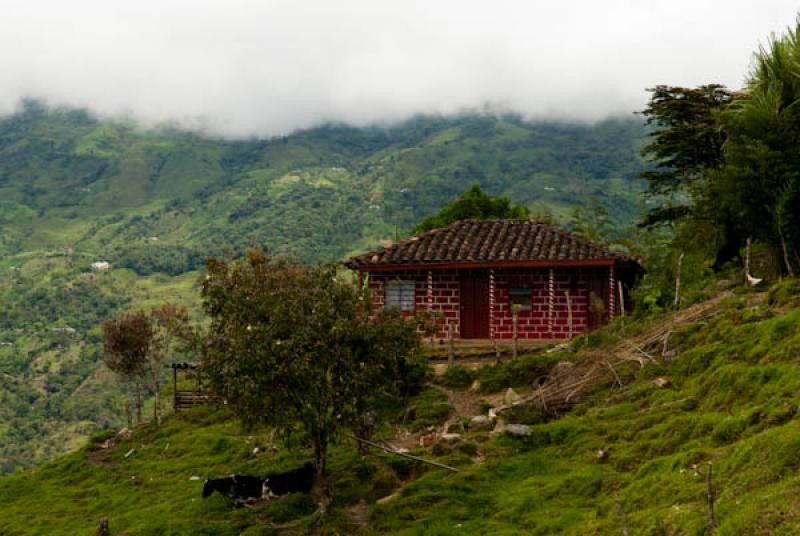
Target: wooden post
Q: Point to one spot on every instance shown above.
(747, 262)
(569, 313)
(515, 327)
(102, 527)
(450, 352)
(712, 519)
(174, 388)
(621, 516)
(677, 302)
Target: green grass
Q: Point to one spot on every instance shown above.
(151, 491)
(733, 401)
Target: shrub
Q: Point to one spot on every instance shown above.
(457, 377)
(520, 372)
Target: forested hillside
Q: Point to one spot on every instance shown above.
(154, 203)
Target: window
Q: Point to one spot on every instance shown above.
(400, 294)
(521, 297)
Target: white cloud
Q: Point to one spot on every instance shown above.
(268, 67)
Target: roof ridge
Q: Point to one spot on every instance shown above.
(474, 240)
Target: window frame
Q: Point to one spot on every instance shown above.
(405, 299)
(522, 293)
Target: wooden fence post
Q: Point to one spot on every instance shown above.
(621, 516)
(515, 329)
(569, 313)
(747, 262)
(712, 519)
(174, 388)
(450, 352)
(678, 283)
(102, 527)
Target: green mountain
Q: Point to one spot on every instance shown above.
(725, 396)
(75, 190)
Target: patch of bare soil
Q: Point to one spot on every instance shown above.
(358, 514)
(464, 403)
(99, 455)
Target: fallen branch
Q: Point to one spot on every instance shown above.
(402, 454)
(615, 373)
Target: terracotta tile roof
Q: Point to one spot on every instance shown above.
(488, 241)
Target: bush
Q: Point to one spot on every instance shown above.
(457, 377)
(430, 408)
(520, 372)
(785, 293)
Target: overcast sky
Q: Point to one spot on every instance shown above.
(242, 68)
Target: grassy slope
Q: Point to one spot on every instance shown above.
(733, 401)
(74, 190)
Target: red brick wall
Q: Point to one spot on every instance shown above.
(445, 294)
(536, 323)
(533, 324)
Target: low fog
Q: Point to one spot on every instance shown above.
(241, 68)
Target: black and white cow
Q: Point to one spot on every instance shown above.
(251, 487)
(295, 481)
(235, 486)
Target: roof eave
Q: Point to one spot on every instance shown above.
(461, 265)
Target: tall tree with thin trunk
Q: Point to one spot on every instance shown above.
(126, 348)
(169, 323)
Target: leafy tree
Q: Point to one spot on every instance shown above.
(761, 179)
(126, 347)
(592, 222)
(687, 148)
(687, 140)
(169, 322)
(473, 204)
(136, 345)
(289, 345)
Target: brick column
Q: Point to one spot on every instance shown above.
(551, 297)
(430, 291)
(491, 304)
(611, 287)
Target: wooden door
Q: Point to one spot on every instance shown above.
(598, 290)
(474, 305)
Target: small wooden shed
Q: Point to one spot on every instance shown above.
(475, 274)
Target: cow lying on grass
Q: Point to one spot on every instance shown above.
(242, 487)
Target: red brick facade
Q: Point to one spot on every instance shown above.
(548, 316)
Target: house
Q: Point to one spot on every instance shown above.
(475, 274)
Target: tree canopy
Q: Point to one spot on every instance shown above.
(473, 204)
(291, 346)
(728, 163)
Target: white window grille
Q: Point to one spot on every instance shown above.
(400, 294)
